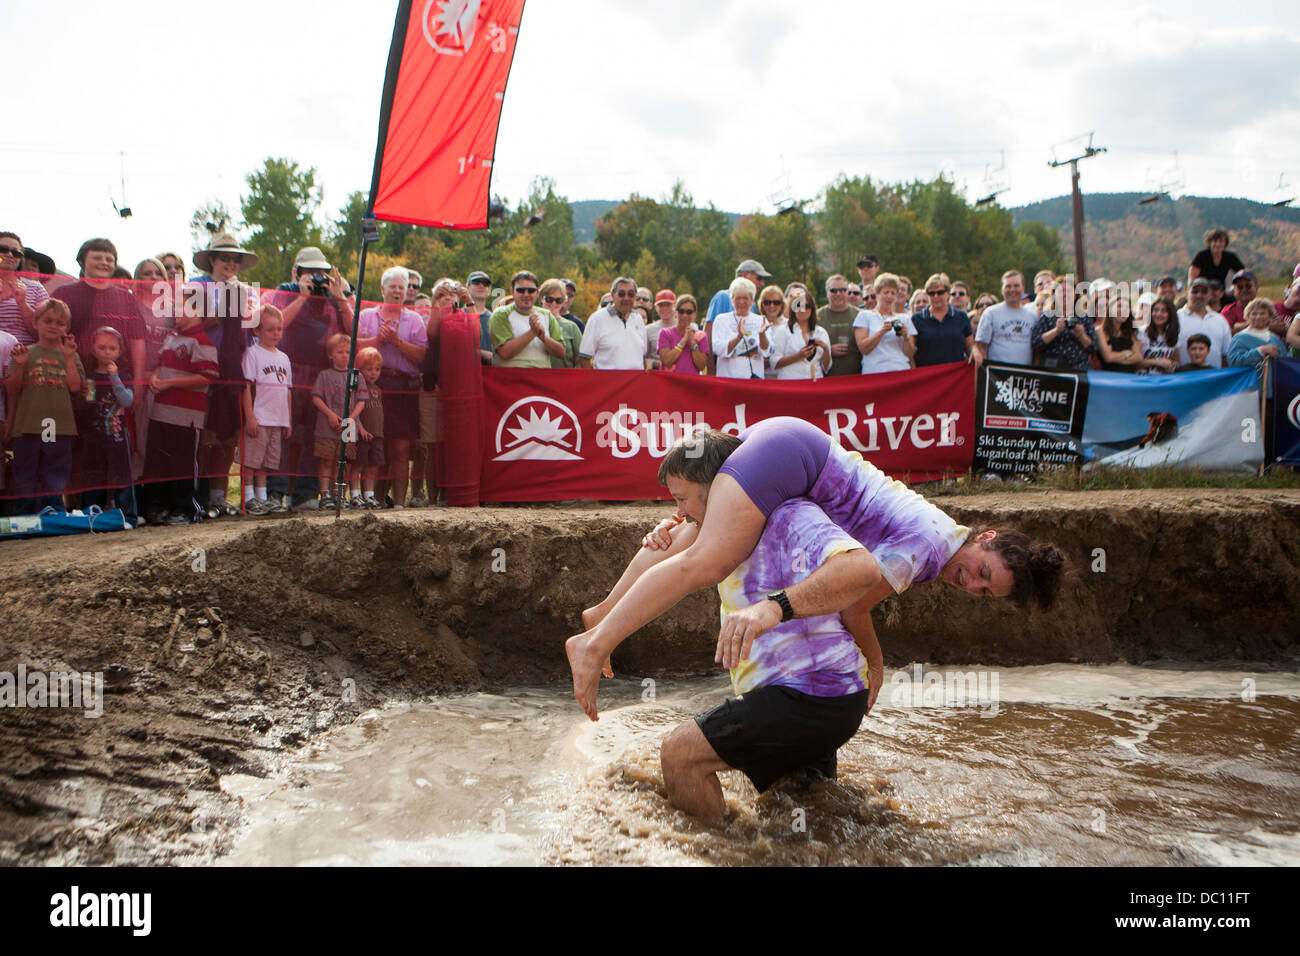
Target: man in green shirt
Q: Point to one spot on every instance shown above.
(837, 319)
(524, 336)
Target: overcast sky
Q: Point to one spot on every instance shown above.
(747, 101)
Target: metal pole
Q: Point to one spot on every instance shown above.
(369, 226)
(1076, 202)
(1080, 264)
(367, 230)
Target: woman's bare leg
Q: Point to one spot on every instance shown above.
(683, 536)
(732, 526)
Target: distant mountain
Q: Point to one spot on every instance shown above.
(586, 212)
(1127, 241)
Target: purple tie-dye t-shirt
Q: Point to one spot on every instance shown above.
(813, 655)
(784, 458)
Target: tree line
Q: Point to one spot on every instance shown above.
(914, 228)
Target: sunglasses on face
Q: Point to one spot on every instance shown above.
(227, 257)
(11, 251)
(624, 295)
(526, 291)
(686, 311)
(767, 302)
(837, 291)
(553, 299)
(936, 291)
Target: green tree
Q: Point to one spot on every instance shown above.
(785, 244)
(280, 209)
(209, 221)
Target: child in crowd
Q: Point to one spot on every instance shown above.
(187, 365)
(1198, 351)
(328, 395)
(363, 472)
(7, 343)
(103, 436)
(41, 382)
(267, 424)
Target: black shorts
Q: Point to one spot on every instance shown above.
(774, 731)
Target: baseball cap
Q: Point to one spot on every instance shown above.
(665, 295)
(1244, 274)
(754, 266)
(868, 261)
(1200, 281)
(478, 277)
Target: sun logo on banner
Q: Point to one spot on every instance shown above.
(450, 28)
(537, 436)
(1293, 411)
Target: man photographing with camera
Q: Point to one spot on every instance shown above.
(314, 305)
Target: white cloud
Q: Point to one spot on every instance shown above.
(610, 97)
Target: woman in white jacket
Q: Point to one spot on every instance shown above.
(740, 338)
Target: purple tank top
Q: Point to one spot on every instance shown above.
(778, 459)
(784, 458)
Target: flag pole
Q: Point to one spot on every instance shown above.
(370, 229)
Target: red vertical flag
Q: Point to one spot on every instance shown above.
(443, 94)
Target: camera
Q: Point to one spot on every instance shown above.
(320, 284)
(898, 326)
(1071, 322)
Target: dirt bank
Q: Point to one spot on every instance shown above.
(226, 644)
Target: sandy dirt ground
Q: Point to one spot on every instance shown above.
(227, 645)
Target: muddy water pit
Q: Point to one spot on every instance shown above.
(240, 658)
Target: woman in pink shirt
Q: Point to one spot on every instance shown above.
(684, 348)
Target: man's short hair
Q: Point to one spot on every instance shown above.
(939, 278)
(1013, 272)
(59, 308)
(834, 278)
(886, 280)
(621, 280)
(1199, 339)
(95, 245)
(1217, 233)
(522, 274)
(698, 456)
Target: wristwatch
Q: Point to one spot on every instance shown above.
(787, 612)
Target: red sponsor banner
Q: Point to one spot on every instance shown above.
(557, 434)
(441, 123)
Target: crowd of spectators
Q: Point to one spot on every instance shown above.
(139, 390)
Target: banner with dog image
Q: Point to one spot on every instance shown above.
(1209, 419)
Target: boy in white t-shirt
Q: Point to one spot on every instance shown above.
(267, 423)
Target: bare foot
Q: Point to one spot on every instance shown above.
(590, 618)
(585, 663)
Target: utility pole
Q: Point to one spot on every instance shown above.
(1076, 197)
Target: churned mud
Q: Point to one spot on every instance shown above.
(229, 649)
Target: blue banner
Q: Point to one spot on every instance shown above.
(1209, 419)
(1286, 414)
